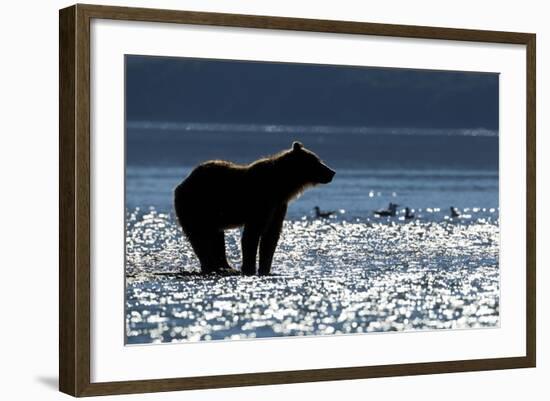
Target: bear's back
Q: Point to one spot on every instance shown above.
(213, 179)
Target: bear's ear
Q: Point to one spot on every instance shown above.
(297, 145)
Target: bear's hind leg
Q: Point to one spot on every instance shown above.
(203, 244)
(219, 252)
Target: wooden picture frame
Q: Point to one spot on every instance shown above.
(74, 200)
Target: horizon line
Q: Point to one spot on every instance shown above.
(305, 129)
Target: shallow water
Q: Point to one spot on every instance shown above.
(347, 274)
(357, 192)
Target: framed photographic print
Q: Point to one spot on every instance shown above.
(250, 200)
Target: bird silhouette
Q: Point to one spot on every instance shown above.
(389, 212)
(321, 214)
(454, 212)
(408, 214)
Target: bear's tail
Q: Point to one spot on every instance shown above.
(179, 204)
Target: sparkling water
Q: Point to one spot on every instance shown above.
(353, 272)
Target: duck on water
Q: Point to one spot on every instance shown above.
(322, 214)
(391, 211)
(454, 212)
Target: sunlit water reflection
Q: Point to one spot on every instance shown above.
(330, 276)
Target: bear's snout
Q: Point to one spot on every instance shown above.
(327, 175)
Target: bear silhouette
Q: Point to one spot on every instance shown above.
(218, 195)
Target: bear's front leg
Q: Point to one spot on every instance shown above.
(270, 238)
(249, 244)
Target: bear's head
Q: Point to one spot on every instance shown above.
(309, 168)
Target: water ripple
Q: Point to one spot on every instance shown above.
(329, 277)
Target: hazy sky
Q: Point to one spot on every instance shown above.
(215, 91)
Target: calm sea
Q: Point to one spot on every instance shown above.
(426, 171)
(352, 273)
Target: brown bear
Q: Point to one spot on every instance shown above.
(218, 195)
